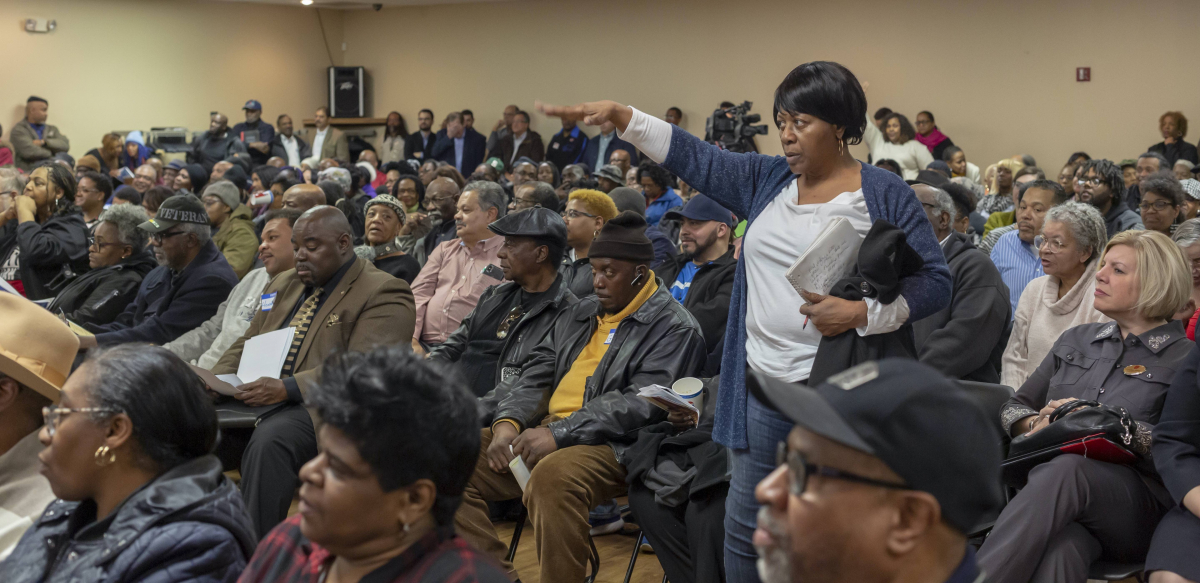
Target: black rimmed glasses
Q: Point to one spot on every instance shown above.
(799, 470)
(158, 238)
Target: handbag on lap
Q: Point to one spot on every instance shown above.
(1086, 428)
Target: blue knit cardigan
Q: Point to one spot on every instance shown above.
(746, 184)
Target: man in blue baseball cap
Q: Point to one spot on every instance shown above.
(889, 467)
(255, 133)
(701, 277)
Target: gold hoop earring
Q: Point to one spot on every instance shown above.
(104, 456)
(595, 234)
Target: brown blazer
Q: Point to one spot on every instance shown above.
(336, 146)
(367, 308)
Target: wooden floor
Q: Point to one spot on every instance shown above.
(614, 557)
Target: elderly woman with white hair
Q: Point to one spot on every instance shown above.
(1075, 510)
(1070, 245)
(119, 260)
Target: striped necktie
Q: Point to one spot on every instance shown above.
(300, 322)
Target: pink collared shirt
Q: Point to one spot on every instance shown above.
(450, 284)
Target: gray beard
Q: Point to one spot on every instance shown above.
(774, 565)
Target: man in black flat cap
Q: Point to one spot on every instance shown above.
(497, 337)
(889, 467)
(587, 370)
(191, 281)
(33, 139)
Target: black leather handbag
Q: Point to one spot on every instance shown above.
(1086, 428)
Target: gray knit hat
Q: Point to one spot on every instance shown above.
(226, 191)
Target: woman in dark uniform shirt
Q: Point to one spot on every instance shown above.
(384, 218)
(1074, 510)
(1176, 450)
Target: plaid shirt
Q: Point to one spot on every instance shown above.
(286, 556)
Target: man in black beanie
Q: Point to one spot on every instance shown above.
(576, 454)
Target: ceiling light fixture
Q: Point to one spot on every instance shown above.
(306, 2)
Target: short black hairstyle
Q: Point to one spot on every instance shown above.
(827, 91)
(657, 173)
(1027, 170)
(949, 152)
(280, 118)
(416, 180)
(907, 131)
(726, 105)
(678, 112)
(543, 194)
(1163, 164)
(426, 110)
(283, 213)
(286, 179)
(928, 113)
(889, 165)
(1163, 184)
(324, 108)
(128, 193)
(156, 195)
(404, 168)
(394, 406)
(1077, 157)
(1059, 194)
(882, 113)
(523, 113)
(964, 201)
(102, 182)
(333, 191)
(178, 425)
(1110, 174)
(467, 112)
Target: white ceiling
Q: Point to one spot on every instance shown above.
(363, 4)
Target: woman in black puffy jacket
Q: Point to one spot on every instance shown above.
(42, 236)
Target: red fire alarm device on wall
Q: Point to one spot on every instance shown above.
(1083, 74)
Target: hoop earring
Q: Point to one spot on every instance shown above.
(595, 234)
(841, 142)
(104, 456)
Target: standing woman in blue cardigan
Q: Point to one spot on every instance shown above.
(820, 110)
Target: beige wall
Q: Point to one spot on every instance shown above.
(135, 64)
(999, 76)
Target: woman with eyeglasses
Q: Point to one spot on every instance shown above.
(1070, 244)
(1075, 510)
(42, 235)
(141, 497)
(1162, 203)
(587, 211)
(119, 260)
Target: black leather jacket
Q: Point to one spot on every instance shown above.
(657, 344)
(520, 340)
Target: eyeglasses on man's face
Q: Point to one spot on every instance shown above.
(799, 471)
(158, 238)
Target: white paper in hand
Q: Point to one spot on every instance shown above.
(666, 399)
(831, 257)
(264, 355)
(519, 470)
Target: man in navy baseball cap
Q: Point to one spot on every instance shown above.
(701, 277)
(889, 467)
(255, 133)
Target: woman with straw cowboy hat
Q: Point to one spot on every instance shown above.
(36, 352)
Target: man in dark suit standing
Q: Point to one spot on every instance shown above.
(567, 146)
(521, 142)
(599, 149)
(419, 144)
(459, 146)
(336, 302)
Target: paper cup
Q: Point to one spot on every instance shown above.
(690, 389)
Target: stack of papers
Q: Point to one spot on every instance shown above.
(262, 357)
(666, 399)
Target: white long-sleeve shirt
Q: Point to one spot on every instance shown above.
(777, 341)
(912, 156)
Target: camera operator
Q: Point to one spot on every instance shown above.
(732, 127)
(819, 109)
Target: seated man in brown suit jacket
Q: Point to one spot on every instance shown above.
(337, 302)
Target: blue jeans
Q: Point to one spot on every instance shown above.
(764, 430)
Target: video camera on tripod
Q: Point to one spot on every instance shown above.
(733, 128)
